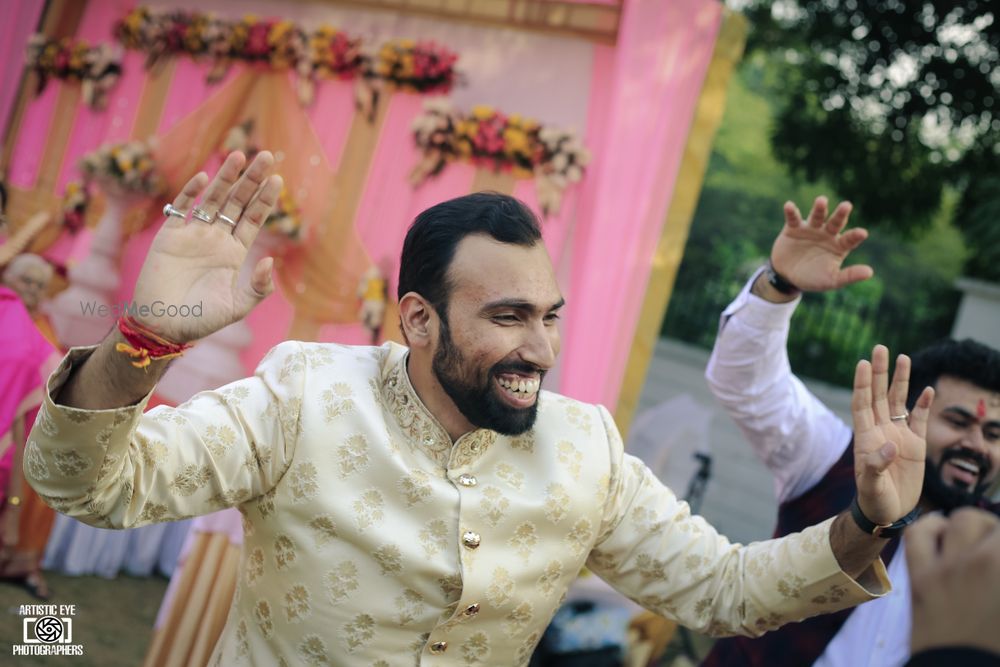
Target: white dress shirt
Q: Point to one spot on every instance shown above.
(799, 439)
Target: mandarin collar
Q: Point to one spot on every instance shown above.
(422, 428)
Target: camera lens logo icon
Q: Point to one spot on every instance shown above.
(49, 629)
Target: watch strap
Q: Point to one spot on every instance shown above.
(779, 282)
(883, 530)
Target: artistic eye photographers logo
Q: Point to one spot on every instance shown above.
(48, 630)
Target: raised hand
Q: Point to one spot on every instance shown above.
(889, 444)
(810, 253)
(192, 262)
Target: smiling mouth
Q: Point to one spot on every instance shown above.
(964, 471)
(519, 391)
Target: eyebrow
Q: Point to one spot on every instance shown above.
(520, 304)
(962, 412)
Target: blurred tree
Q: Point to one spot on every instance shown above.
(890, 101)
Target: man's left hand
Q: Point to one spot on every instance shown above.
(889, 447)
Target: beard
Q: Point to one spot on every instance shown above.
(475, 393)
(946, 496)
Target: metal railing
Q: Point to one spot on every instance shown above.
(829, 332)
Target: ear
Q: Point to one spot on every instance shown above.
(416, 318)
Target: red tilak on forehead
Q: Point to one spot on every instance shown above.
(981, 409)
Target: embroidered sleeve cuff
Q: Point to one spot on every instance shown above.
(871, 584)
(67, 451)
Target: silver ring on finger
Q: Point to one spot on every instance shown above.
(900, 418)
(170, 210)
(226, 219)
(200, 214)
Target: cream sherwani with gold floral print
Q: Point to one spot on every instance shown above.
(371, 539)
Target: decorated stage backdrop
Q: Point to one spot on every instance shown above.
(645, 108)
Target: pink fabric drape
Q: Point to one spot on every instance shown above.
(663, 52)
(24, 364)
(20, 21)
(115, 122)
(636, 115)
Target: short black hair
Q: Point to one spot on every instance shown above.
(432, 238)
(966, 360)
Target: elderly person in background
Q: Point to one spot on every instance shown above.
(29, 277)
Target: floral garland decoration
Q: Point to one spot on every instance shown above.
(406, 65)
(286, 218)
(73, 213)
(98, 68)
(124, 169)
(320, 54)
(489, 138)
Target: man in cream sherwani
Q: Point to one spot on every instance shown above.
(426, 504)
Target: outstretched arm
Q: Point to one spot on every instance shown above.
(791, 430)
(677, 565)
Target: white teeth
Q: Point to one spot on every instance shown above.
(527, 387)
(966, 465)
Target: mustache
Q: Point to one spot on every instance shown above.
(976, 457)
(522, 368)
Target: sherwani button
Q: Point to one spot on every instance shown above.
(465, 479)
(439, 647)
(472, 609)
(471, 540)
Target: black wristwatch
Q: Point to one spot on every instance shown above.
(884, 530)
(779, 282)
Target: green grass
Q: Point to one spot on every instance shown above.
(113, 621)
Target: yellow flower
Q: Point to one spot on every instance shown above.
(407, 43)
(279, 31)
(466, 127)
(515, 140)
(482, 112)
(133, 21)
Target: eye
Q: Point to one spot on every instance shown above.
(505, 318)
(958, 422)
(991, 434)
(552, 318)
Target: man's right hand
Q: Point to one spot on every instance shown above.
(192, 262)
(810, 253)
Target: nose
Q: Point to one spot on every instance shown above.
(541, 346)
(975, 441)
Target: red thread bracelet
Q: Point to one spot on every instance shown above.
(145, 346)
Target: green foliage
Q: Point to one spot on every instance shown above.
(978, 216)
(909, 303)
(891, 102)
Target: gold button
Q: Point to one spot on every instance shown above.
(465, 479)
(470, 539)
(439, 647)
(14, 500)
(472, 609)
